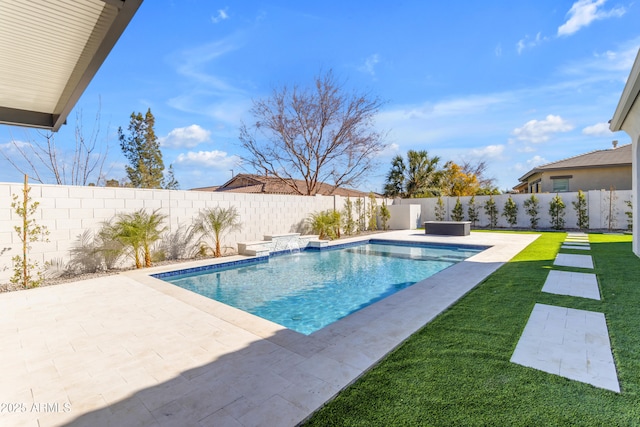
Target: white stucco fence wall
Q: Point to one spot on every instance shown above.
(68, 211)
(597, 208)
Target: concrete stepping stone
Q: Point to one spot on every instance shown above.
(575, 247)
(574, 234)
(572, 260)
(568, 342)
(577, 240)
(583, 285)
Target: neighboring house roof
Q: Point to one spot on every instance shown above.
(259, 184)
(620, 156)
(50, 51)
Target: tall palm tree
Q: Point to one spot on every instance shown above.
(419, 176)
(215, 222)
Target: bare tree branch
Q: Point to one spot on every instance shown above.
(44, 161)
(322, 134)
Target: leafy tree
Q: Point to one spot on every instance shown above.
(486, 185)
(213, 223)
(510, 212)
(457, 214)
(580, 206)
(349, 222)
(556, 212)
(439, 209)
(417, 177)
(532, 208)
(27, 272)
(457, 182)
(142, 150)
(491, 210)
(318, 134)
(385, 215)
(473, 211)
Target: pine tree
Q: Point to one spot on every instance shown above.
(510, 212)
(580, 206)
(556, 212)
(491, 210)
(457, 214)
(142, 149)
(473, 211)
(170, 182)
(532, 208)
(440, 210)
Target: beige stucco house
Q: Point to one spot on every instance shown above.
(627, 118)
(596, 170)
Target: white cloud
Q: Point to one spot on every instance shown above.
(526, 149)
(369, 64)
(221, 16)
(528, 43)
(210, 159)
(599, 129)
(490, 151)
(498, 50)
(584, 12)
(536, 161)
(390, 150)
(536, 131)
(187, 137)
(11, 146)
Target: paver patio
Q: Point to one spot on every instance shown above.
(129, 349)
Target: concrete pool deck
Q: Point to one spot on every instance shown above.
(131, 350)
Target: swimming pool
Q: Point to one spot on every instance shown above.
(309, 290)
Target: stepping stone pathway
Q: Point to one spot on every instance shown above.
(564, 341)
(570, 343)
(576, 246)
(571, 260)
(583, 285)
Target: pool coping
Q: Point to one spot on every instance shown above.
(132, 349)
(386, 324)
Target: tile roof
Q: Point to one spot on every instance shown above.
(620, 156)
(259, 184)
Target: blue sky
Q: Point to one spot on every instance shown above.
(515, 84)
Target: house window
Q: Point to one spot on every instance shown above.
(534, 187)
(560, 184)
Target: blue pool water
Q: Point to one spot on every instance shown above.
(309, 290)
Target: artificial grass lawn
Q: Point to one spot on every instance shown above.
(456, 370)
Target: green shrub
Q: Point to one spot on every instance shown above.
(510, 212)
(556, 212)
(532, 208)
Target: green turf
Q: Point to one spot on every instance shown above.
(456, 370)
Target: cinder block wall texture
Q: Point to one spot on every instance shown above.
(68, 211)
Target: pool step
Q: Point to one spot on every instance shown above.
(276, 243)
